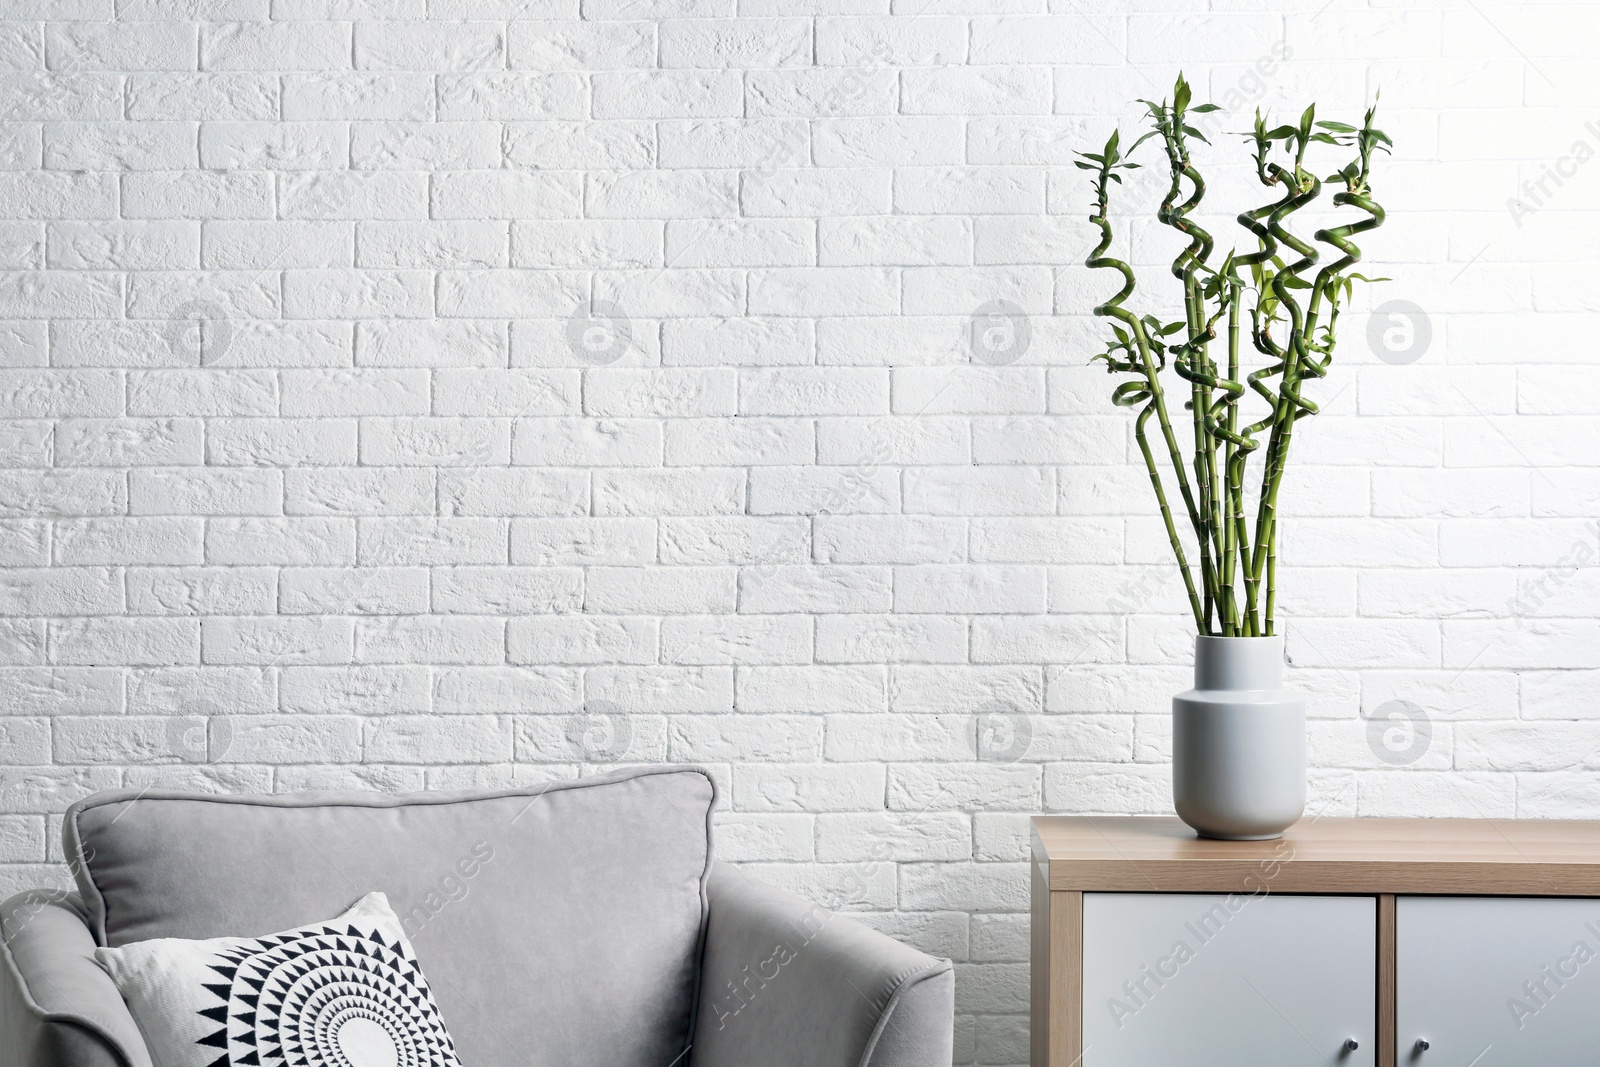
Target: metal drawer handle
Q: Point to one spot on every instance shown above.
(1351, 1044)
(1422, 1044)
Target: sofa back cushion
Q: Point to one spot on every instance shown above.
(559, 924)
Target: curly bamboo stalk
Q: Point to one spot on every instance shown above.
(1190, 359)
(1306, 188)
(1148, 391)
(1238, 589)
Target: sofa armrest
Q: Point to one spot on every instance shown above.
(57, 1007)
(786, 984)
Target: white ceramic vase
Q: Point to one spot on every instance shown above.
(1239, 742)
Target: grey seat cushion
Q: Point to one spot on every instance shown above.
(557, 925)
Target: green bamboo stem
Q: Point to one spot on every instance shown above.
(1237, 591)
(1154, 396)
(1238, 449)
(1184, 267)
(1166, 512)
(1306, 188)
(1171, 125)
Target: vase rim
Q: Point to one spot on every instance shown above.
(1221, 637)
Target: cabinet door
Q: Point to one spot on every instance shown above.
(1498, 981)
(1179, 980)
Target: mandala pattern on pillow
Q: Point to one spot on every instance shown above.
(334, 996)
(344, 992)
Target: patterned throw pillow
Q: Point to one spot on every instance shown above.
(344, 993)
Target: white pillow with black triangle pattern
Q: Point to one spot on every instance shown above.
(343, 993)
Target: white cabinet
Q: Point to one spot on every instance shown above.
(1498, 982)
(1234, 980)
(1152, 948)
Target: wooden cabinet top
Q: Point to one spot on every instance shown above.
(1141, 854)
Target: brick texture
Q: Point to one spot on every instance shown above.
(430, 393)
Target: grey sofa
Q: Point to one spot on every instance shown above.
(579, 924)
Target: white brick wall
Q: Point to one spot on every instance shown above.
(404, 517)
